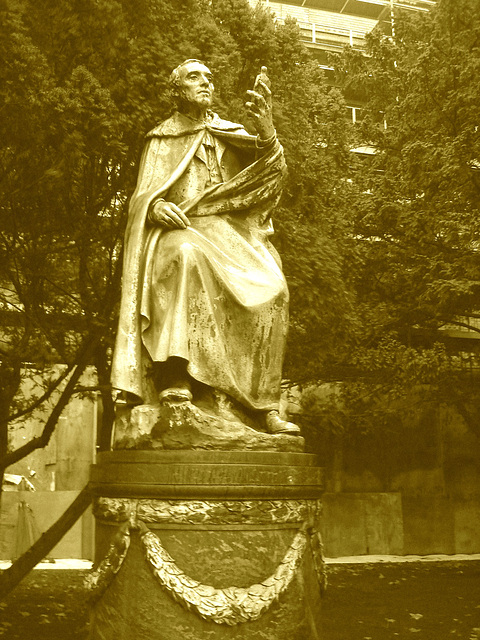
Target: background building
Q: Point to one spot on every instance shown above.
(329, 25)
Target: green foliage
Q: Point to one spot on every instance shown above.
(375, 251)
(313, 220)
(423, 212)
(414, 218)
(80, 85)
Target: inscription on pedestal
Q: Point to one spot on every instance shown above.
(220, 478)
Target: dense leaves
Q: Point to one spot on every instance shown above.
(422, 211)
(379, 252)
(415, 216)
(80, 84)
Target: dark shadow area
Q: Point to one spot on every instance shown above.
(427, 600)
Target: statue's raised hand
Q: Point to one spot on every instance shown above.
(259, 106)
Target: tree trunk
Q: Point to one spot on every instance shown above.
(10, 378)
(19, 569)
(41, 441)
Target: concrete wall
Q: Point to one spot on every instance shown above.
(43, 509)
(392, 524)
(64, 464)
(412, 490)
(61, 470)
(362, 523)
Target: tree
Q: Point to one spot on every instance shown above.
(60, 146)
(311, 222)
(415, 213)
(81, 85)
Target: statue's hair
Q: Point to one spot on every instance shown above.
(175, 75)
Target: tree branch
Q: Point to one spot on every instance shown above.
(39, 400)
(42, 440)
(19, 569)
(459, 323)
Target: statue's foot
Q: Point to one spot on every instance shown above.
(177, 393)
(276, 425)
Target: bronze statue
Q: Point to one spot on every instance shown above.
(204, 300)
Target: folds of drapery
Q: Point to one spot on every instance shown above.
(213, 293)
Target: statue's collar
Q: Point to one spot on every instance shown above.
(180, 124)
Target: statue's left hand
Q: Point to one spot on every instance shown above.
(259, 108)
(168, 215)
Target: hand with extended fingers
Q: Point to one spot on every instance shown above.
(259, 106)
(168, 215)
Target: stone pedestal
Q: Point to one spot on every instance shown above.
(207, 545)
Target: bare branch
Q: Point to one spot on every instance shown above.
(19, 569)
(41, 399)
(42, 440)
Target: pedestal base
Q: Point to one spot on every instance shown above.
(206, 555)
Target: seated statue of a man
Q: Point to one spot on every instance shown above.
(204, 300)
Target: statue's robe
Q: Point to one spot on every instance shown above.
(213, 294)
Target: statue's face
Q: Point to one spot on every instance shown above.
(195, 84)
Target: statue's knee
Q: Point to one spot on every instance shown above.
(188, 251)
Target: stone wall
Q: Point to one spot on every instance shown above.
(20, 526)
(413, 490)
(362, 523)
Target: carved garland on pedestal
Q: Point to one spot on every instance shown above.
(211, 512)
(224, 606)
(231, 605)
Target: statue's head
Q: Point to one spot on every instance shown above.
(192, 85)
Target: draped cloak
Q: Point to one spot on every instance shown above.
(214, 293)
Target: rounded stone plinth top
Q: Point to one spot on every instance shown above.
(207, 474)
(208, 457)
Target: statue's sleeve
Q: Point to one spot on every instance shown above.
(152, 166)
(163, 161)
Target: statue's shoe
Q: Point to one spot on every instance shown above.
(175, 394)
(276, 425)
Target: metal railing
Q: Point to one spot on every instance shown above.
(315, 33)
